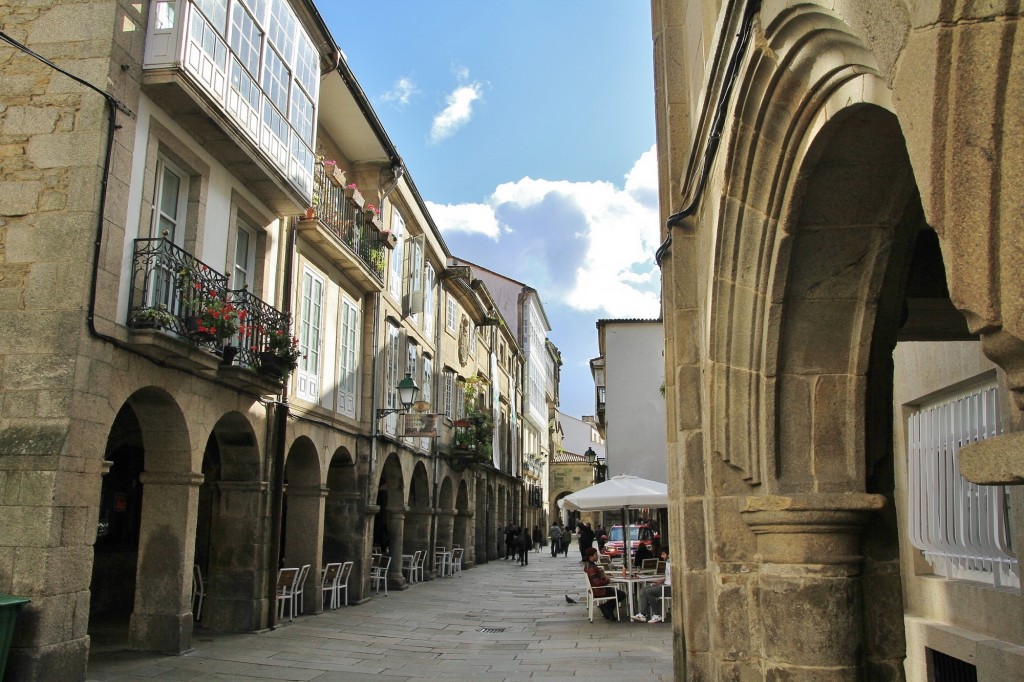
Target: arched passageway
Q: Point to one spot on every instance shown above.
(142, 563)
(303, 517)
(230, 547)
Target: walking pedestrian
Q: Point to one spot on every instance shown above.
(586, 540)
(538, 538)
(524, 544)
(510, 538)
(556, 538)
(566, 541)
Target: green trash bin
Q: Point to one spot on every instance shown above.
(9, 607)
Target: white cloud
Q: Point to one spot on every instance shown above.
(468, 218)
(402, 92)
(604, 235)
(457, 113)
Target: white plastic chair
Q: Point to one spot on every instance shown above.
(343, 575)
(666, 602)
(198, 592)
(329, 584)
(286, 579)
(379, 573)
(300, 589)
(409, 562)
(418, 571)
(593, 600)
(455, 564)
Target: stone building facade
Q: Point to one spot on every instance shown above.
(840, 183)
(161, 198)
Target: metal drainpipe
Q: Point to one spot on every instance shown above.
(279, 411)
(435, 391)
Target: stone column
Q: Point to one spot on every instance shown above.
(462, 522)
(236, 597)
(446, 529)
(396, 528)
(809, 596)
(304, 538)
(162, 618)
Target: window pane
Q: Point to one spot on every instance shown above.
(216, 12)
(246, 38)
(282, 27)
(275, 79)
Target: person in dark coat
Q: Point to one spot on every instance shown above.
(510, 538)
(642, 552)
(523, 546)
(538, 538)
(586, 540)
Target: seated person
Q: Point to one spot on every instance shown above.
(598, 580)
(642, 552)
(650, 596)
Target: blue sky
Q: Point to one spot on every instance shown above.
(528, 128)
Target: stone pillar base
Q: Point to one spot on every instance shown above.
(809, 597)
(161, 633)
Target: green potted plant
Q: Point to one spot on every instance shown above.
(156, 317)
(212, 317)
(282, 353)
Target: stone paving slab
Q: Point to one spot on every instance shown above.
(429, 631)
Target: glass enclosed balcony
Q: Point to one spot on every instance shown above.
(251, 68)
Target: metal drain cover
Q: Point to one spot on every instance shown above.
(490, 631)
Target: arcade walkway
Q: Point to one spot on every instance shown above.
(430, 631)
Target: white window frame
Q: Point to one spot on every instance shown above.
(244, 267)
(449, 393)
(961, 528)
(451, 317)
(177, 222)
(429, 278)
(311, 311)
(397, 255)
(390, 392)
(426, 391)
(348, 357)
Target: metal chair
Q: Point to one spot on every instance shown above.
(455, 564)
(418, 571)
(343, 575)
(329, 584)
(379, 573)
(286, 579)
(198, 592)
(593, 600)
(300, 589)
(409, 562)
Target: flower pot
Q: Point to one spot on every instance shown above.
(227, 354)
(310, 213)
(336, 176)
(354, 195)
(192, 325)
(271, 365)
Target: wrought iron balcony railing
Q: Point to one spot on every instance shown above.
(347, 221)
(163, 296)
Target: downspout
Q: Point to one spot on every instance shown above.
(278, 413)
(435, 392)
(717, 125)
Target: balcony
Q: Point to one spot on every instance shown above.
(345, 231)
(244, 81)
(164, 315)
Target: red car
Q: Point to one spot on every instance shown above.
(637, 534)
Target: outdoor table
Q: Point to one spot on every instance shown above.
(442, 559)
(630, 583)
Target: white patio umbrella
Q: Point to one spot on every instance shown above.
(623, 492)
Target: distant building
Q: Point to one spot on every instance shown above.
(629, 387)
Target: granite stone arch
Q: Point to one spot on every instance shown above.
(151, 429)
(344, 519)
(304, 514)
(446, 514)
(462, 524)
(231, 549)
(811, 245)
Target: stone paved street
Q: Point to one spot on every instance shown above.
(432, 630)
